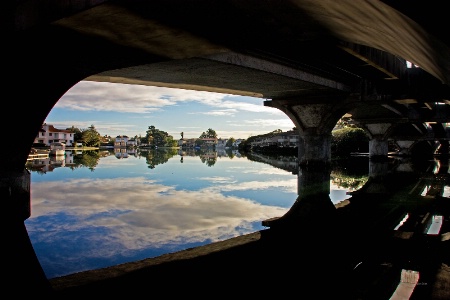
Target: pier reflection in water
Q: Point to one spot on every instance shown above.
(386, 207)
(394, 230)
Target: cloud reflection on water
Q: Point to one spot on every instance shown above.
(130, 214)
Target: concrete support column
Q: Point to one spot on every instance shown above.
(15, 193)
(313, 181)
(22, 263)
(312, 204)
(378, 169)
(314, 122)
(405, 147)
(378, 148)
(376, 185)
(378, 144)
(314, 149)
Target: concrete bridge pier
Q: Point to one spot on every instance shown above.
(405, 147)
(378, 147)
(314, 123)
(21, 266)
(314, 148)
(312, 204)
(378, 144)
(313, 181)
(378, 169)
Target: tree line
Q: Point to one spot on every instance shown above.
(346, 140)
(90, 137)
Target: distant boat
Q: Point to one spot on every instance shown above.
(57, 148)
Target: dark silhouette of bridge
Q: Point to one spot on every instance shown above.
(315, 60)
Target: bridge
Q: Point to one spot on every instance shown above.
(315, 60)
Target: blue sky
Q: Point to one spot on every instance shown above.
(123, 109)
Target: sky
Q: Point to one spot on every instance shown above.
(124, 109)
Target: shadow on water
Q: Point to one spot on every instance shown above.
(375, 244)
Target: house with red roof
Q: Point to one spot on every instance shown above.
(49, 134)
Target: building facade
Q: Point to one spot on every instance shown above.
(49, 134)
(121, 141)
(281, 139)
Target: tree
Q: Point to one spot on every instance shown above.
(159, 138)
(199, 142)
(210, 133)
(347, 140)
(77, 133)
(230, 142)
(345, 122)
(91, 137)
(170, 142)
(182, 134)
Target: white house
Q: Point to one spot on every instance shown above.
(121, 141)
(49, 134)
(221, 143)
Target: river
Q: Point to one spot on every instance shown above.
(94, 209)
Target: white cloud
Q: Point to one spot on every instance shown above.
(258, 123)
(140, 212)
(125, 109)
(104, 96)
(223, 112)
(102, 127)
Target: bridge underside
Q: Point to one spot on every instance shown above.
(345, 55)
(315, 60)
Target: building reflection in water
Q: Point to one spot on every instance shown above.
(49, 163)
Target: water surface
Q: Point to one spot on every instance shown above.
(95, 209)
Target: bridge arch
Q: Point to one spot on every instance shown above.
(155, 43)
(272, 50)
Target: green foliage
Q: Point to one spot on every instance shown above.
(229, 153)
(87, 159)
(199, 142)
(159, 138)
(209, 161)
(210, 133)
(170, 142)
(347, 140)
(77, 133)
(230, 142)
(351, 183)
(91, 137)
(157, 157)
